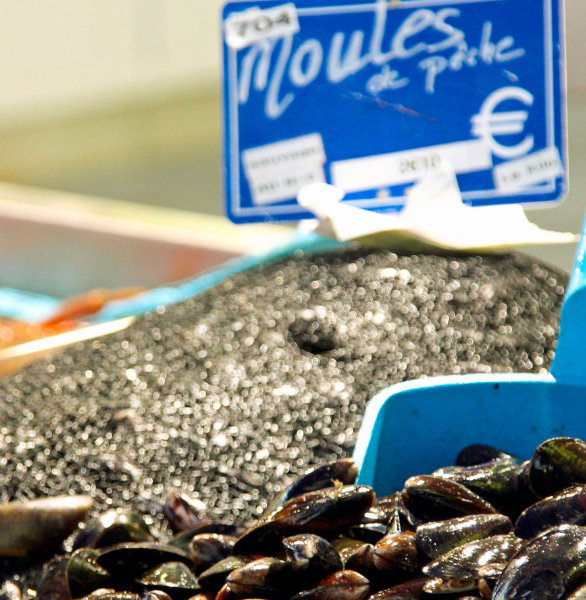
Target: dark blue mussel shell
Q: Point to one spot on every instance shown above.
(547, 567)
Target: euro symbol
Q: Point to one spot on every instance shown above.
(487, 123)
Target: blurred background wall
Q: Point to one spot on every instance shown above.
(119, 99)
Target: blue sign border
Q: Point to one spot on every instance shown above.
(545, 194)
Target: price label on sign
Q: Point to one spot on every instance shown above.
(254, 24)
(372, 95)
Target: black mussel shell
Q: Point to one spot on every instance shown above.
(324, 511)
(436, 499)
(557, 464)
(182, 539)
(343, 585)
(84, 575)
(377, 514)
(116, 526)
(10, 591)
(311, 556)
(184, 513)
(396, 553)
(410, 590)
(215, 577)
(127, 562)
(368, 532)
(566, 507)
(496, 481)
(157, 595)
(547, 567)
(343, 471)
(262, 578)
(464, 561)
(346, 547)
(527, 495)
(203, 596)
(438, 537)
(361, 561)
(206, 549)
(53, 584)
(173, 578)
(477, 454)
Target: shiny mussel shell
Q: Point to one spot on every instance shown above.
(341, 472)
(40, 526)
(410, 590)
(464, 561)
(328, 510)
(183, 539)
(346, 547)
(527, 495)
(116, 526)
(435, 499)
(206, 549)
(567, 507)
(557, 464)
(160, 595)
(368, 532)
(311, 556)
(343, 585)
(84, 575)
(173, 578)
(477, 454)
(215, 577)
(496, 481)
(546, 567)
(438, 537)
(361, 561)
(396, 554)
(263, 578)
(128, 562)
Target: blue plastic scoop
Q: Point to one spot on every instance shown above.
(416, 427)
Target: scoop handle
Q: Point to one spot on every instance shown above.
(569, 364)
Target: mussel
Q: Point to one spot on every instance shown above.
(40, 526)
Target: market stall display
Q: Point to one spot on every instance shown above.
(490, 527)
(243, 387)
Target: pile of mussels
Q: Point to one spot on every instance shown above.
(491, 527)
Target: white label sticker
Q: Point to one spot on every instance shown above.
(271, 186)
(398, 168)
(249, 26)
(536, 168)
(277, 172)
(284, 155)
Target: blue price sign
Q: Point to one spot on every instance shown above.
(371, 95)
